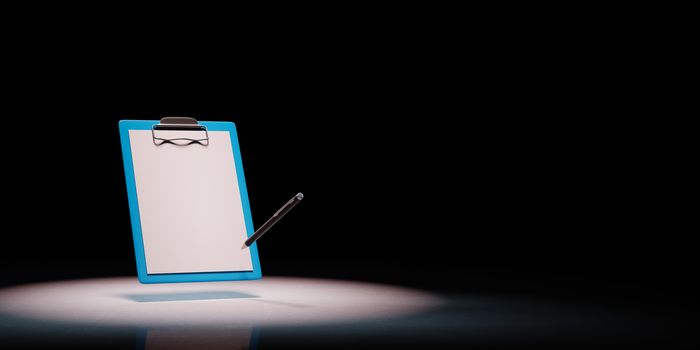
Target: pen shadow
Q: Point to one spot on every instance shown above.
(282, 303)
(187, 296)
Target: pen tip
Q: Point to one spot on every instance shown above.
(300, 196)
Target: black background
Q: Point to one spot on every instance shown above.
(496, 162)
(440, 181)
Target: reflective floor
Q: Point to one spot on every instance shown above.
(300, 312)
(269, 301)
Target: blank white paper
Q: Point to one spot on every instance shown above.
(190, 204)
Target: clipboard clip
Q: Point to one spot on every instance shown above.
(180, 124)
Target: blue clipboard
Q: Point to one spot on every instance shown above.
(141, 262)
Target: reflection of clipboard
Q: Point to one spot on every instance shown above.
(188, 201)
(199, 338)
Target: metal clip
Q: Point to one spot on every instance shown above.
(179, 124)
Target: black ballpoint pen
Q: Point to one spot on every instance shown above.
(273, 220)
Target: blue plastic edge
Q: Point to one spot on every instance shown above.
(143, 276)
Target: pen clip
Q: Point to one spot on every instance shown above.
(284, 206)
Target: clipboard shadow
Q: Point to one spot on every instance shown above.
(187, 296)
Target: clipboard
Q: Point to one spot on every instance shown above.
(188, 201)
